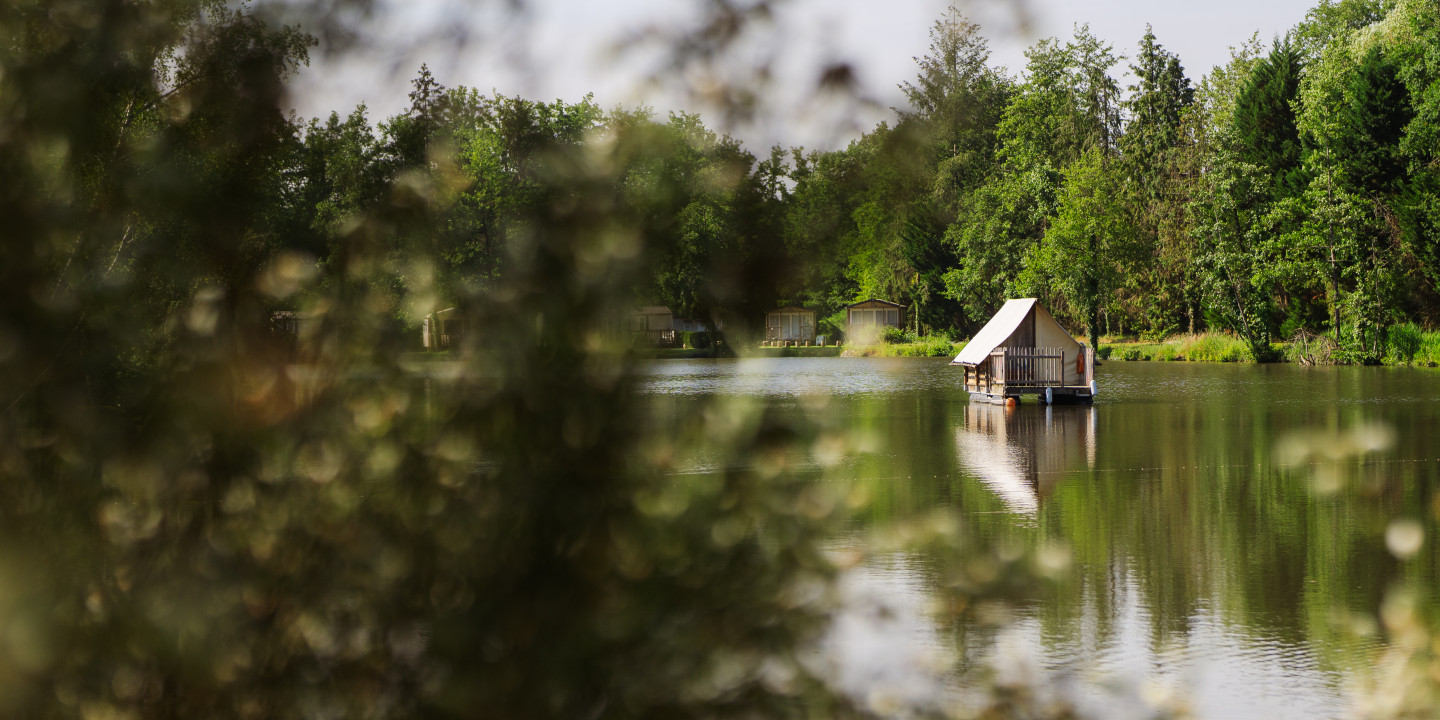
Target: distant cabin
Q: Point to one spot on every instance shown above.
(293, 323)
(652, 325)
(864, 319)
(442, 329)
(790, 326)
(1024, 351)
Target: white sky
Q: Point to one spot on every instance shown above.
(563, 49)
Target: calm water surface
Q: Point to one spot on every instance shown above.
(1226, 524)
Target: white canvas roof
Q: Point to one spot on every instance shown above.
(995, 332)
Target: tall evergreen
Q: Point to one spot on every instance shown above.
(1156, 106)
(1373, 123)
(1160, 101)
(1265, 127)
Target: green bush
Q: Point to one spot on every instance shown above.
(1131, 353)
(1404, 341)
(895, 336)
(936, 346)
(1355, 348)
(833, 328)
(698, 339)
(927, 346)
(1167, 352)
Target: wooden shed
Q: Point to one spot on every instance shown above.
(1024, 351)
(790, 326)
(867, 317)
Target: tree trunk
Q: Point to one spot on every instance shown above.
(1094, 292)
(1095, 327)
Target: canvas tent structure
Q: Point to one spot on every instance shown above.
(1024, 351)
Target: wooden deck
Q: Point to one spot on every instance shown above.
(777, 337)
(1014, 372)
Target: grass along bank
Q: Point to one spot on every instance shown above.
(925, 346)
(1204, 347)
(1405, 345)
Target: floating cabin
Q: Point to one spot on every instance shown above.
(789, 326)
(1024, 351)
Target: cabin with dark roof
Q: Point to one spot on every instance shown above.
(1023, 350)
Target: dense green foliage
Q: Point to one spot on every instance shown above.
(203, 517)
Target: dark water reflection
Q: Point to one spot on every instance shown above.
(1226, 523)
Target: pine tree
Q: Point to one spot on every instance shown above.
(1373, 123)
(1265, 120)
(1157, 103)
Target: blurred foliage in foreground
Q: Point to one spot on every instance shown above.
(200, 517)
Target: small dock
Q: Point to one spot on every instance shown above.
(1022, 351)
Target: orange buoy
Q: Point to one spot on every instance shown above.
(1011, 402)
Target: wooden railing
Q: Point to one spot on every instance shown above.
(1028, 367)
(657, 338)
(776, 333)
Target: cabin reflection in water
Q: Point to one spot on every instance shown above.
(1023, 453)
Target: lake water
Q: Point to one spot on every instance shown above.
(1232, 531)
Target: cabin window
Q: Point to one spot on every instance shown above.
(876, 317)
(865, 317)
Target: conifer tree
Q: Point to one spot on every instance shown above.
(1265, 127)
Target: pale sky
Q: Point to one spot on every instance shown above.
(562, 49)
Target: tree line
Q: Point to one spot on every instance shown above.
(1289, 191)
(1292, 190)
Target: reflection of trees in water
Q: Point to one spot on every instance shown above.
(1188, 509)
(1023, 453)
(1180, 522)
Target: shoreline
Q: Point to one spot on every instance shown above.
(1205, 347)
